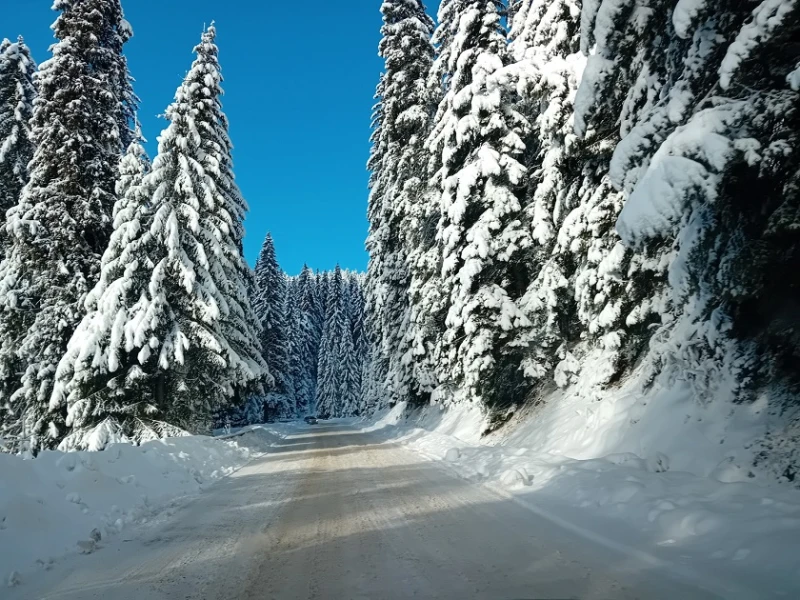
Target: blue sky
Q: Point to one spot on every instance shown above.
(299, 81)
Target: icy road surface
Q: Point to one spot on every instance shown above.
(334, 513)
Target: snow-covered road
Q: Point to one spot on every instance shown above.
(335, 513)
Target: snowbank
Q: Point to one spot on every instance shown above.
(70, 502)
(733, 533)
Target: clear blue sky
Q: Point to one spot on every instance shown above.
(299, 81)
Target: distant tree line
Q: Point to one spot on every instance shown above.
(313, 341)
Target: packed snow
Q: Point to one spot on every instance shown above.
(62, 503)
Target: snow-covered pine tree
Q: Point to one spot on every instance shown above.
(372, 397)
(291, 317)
(61, 226)
(378, 229)
(347, 400)
(239, 324)
(698, 115)
(355, 298)
(106, 379)
(17, 94)
(123, 85)
(270, 306)
(704, 99)
(176, 335)
(398, 163)
(329, 369)
(321, 287)
(212, 353)
(482, 237)
(306, 340)
(571, 209)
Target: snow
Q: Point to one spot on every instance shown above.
(686, 164)
(62, 503)
(767, 20)
(672, 482)
(685, 16)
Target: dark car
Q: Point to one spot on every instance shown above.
(311, 420)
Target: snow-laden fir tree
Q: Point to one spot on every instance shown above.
(212, 351)
(322, 289)
(703, 99)
(270, 307)
(17, 94)
(355, 300)
(348, 375)
(61, 226)
(706, 114)
(240, 326)
(305, 342)
(482, 237)
(329, 369)
(105, 379)
(576, 262)
(398, 163)
(172, 327)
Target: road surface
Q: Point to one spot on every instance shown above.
(336, 514)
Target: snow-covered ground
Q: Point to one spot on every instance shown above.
(604, 477)
(331, 512)
(693, 508)
(63, 503)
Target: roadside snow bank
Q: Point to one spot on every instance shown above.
(739, 537)
(71, 502)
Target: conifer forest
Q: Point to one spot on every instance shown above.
(542, 341)
(562, 195)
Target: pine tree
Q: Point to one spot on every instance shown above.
(321, 287)
(703, 100)
(481, 180)
(348, 375)
(398, 163)
(106, 378)
(329, 369)
(17, 94)
(306, 340)
(355, 295)
(545, 45)
(270, 307)
(174, 327)
(212, 348)
(62, 223)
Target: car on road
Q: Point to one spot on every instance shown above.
(311, 420)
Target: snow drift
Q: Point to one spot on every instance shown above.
(72, 502)
(673, 482)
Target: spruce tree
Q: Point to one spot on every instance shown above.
(106, 378)
(270, 307)
(348, 375)
(329, 369)
(62, 223)
(355, 295)
(175, 327)
(211, 352)
(17, 94)
(239, 324)
(305, 346)
(482, 238)
(398, 163)
(702, 100)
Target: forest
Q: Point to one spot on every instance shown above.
(562, 195)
